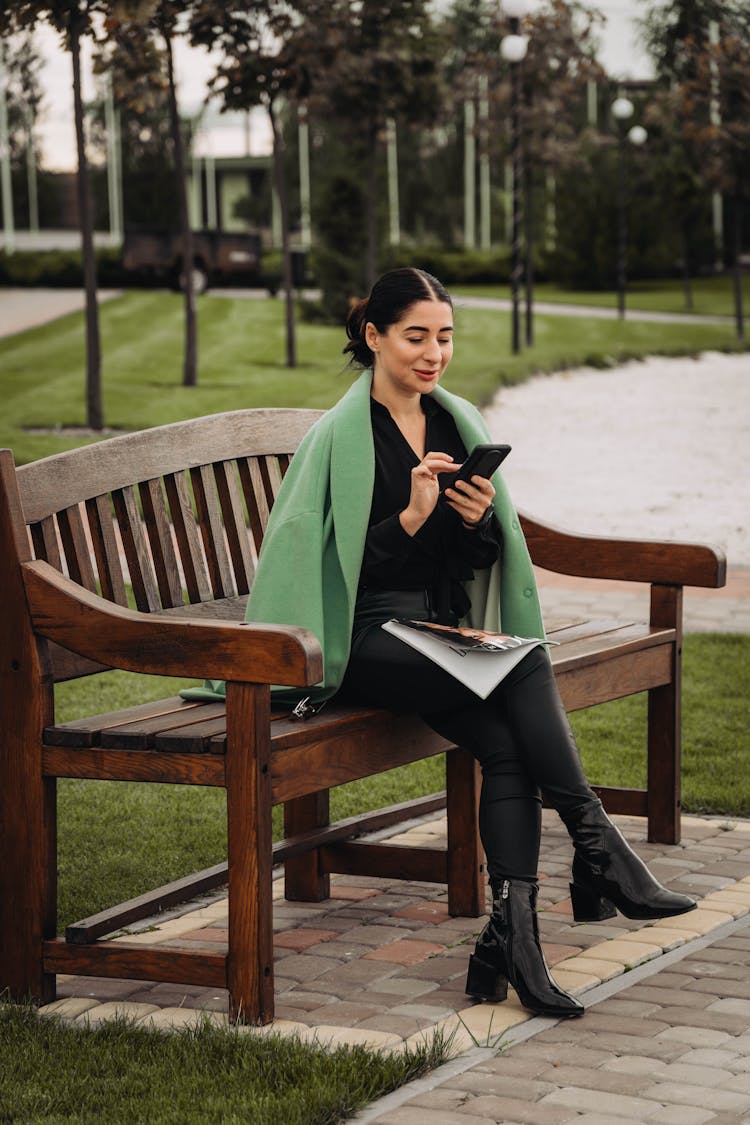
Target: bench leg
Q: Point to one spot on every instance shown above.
(304, 880)
(664, 728)
(27, 799)
(466, 873)
(249, 847)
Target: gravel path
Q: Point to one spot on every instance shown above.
(659, 449)
(27, 308)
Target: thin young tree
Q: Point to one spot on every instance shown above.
(74, 21)
(388, 66)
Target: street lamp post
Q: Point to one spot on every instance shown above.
(622, 111)
(513, 50)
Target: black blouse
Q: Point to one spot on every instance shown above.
(443, 553)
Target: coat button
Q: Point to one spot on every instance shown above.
(514, 525)
(528, 592)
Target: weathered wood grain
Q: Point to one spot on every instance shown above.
(166, 646)
(56, 482)
(138, 962)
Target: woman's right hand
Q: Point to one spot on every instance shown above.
(425, 490)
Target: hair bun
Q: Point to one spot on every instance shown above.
(356, 322)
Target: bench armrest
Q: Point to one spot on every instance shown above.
(64, 612)
(631, 560)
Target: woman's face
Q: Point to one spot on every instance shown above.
(412, 354)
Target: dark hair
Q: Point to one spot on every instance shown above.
(390, 297)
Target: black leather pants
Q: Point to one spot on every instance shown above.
(520, 734)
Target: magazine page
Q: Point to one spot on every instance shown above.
(475, 640)
(481, 670)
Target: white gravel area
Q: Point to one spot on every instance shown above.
(26, 308)
(658, 449)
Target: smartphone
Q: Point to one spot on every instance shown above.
(481, 462)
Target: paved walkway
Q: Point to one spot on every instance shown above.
(595, 312)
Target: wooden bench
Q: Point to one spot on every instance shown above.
(174, 517)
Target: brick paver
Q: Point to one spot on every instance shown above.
(661, 1064)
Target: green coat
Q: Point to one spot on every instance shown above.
(309, 566)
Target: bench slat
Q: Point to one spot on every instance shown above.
(212, 531)
(140, 566)
(235, 526)
(188, 539)
(269, 471)
(159, 531)
(86, 731)
(46, 544)
(76, 548)
(255, 498)
(108, 562)
(206, 737)
(588, 627)
(143, 734)
(597, 647)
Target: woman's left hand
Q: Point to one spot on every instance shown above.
(471, 499)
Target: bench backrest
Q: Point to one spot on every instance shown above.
(177, 513)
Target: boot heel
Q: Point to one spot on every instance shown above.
(484, 981)
(588, 906)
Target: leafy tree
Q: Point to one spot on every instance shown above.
(74, 20)
(267, 54)
(672, 30)
(21, 65)
(387, 65)
(677, 163)
(24, 93)
(149, 182)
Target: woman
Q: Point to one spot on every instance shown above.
(360, 533)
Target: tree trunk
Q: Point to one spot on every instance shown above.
(737, 265)
(94, 412)
(190, 362)
(528, 218)
(686, 280)
(286, 254)
(372, 205)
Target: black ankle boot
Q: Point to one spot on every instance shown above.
(608, 874)
(508, 949)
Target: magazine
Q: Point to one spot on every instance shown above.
(479, 659)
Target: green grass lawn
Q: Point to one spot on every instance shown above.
(242, 362)
(712, 296)
(122, 1075)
